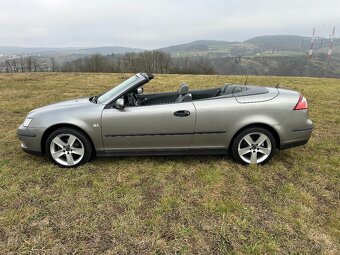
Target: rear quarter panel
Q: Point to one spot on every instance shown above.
(232, 114)
(296, 126)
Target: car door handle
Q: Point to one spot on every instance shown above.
(182, 113)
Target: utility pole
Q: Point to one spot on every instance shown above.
(329, 54)
(310, 52)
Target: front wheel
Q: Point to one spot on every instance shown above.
(68, 147)
(253, 146)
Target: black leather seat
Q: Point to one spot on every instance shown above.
(184, 95)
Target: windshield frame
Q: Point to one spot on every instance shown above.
(117, 91)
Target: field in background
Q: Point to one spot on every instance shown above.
(168, 205)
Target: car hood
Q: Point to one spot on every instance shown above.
(65, 104)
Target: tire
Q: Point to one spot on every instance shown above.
(68, 147)
(253, 145)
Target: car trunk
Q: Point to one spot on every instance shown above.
(252, 94)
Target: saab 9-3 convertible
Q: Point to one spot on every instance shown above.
(249, 122)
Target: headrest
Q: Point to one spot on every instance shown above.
(227, 89)
(183, 89)
(239, 89)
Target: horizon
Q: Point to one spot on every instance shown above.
(141, 48)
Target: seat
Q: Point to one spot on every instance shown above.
(184, 95)
(227, 89)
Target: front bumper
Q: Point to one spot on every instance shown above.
(30, 139)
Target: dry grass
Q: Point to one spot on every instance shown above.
(168, 205)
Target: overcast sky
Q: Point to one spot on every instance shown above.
(158, 23)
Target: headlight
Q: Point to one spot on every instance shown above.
(27, 121)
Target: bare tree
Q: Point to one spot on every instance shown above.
(22, 65)
(29, 63)
(53, 64)
(35, 65)
(8, 66)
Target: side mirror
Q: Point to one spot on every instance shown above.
(140, 90)
(120, 103)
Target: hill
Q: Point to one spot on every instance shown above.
(108, 50)
(200, 45)
(279, 42)
(9, 50)
(280, 45)
(267, 55)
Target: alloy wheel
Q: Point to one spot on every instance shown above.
(67, 149)
(254, 148)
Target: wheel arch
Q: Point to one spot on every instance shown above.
(52, 128)
(261, 125)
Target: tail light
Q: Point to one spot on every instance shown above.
(301, 104)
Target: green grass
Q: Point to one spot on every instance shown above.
(168, 205)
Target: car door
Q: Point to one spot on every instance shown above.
(216, 119)
(165, 126)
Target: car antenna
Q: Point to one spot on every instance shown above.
(277, 86)
(245, 83)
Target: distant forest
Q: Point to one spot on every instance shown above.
(160, 62)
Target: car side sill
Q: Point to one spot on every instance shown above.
(167, 152)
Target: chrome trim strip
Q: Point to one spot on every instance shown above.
(27, 134)
(160, 134)
(302, 129)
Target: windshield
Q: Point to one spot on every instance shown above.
(116, 89)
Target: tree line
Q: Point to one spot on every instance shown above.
(147, 61)
(20, 65)
(160, 62)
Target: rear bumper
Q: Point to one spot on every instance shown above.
(300, 136)
(305, 130)
(293, 144)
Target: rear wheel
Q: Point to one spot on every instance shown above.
(68, 147)
(253, 146)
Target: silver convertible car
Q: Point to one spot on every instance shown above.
(249, 122)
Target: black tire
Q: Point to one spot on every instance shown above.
(80, 145)
(261, 152)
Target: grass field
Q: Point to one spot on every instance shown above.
(168, 205)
